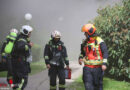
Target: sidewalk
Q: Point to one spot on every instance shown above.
(40, 81)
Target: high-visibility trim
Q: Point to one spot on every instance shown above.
(8, 48)
(99, 40)
(22, 40)
(28, 39)
(93, 62)
(20, 85)
(66, 58)
(3, 54)
(12, 38)
(98, 52)
(52, 87)
(12, 34)
(80, 55)
(104, 60)
(26, 47)
(61, 86)
(46, 57)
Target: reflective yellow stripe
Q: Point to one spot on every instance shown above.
(93, 44)
(80, 55)
(93, 62)
(104, 60)
(46, 57)
(26, 47)
(61, 86)
(97, 51)
(3, 54)
(66, 58)
(22, 40)
(20, 86)
(52, 87)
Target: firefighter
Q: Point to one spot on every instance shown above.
(6, 51)
(21, 66)
(94, 54)
(55, 56)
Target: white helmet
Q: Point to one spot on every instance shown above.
(56, 34)
(26, 29)
(14, 30)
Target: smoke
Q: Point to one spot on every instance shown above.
(67, 16)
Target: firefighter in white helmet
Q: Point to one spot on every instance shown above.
(21, 67)
(55, 55)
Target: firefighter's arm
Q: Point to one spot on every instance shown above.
(82, 54)
(104, 52)
(105, 55)
(46, 54)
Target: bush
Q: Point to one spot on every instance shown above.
(36, 52)
(113, 25)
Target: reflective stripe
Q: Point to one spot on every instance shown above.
(80, 55)
(104, 60)
(61, 86)
(20, 86)
(3, 54)
(46, 57)
(12, 34)
(93, 62)
(97, 51)
(12, 38)
(22, 40)
(66, 58)
(52, 87)
(26, 47)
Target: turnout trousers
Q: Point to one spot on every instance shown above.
(92, 78)
(55, 71)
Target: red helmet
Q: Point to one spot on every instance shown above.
(89, 28)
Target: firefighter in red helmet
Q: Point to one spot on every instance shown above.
(94, 54)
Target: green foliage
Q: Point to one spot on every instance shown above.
(36, 52)
(113, 25)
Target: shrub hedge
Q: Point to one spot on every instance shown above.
(113, 25)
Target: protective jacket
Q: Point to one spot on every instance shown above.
(55, 53)
(20, 54)
(94, 52)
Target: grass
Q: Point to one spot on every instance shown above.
(35, 68)
(109, 84)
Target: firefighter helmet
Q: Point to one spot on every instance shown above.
(56, 34)
(14, 30)
(89, 28)
(26, 29)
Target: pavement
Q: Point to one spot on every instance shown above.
(40, 81)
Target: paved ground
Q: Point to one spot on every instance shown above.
(40, 81)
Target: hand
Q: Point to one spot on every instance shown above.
(31, 44)
(80, 61)
(104, 67)
(48, 66)
(67, 66)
